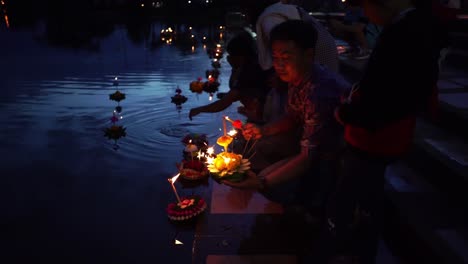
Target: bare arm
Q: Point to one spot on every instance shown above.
(286, 170)
(280, 172)
(284, 124)
(225, 102)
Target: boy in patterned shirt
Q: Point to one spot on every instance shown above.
(313, 93)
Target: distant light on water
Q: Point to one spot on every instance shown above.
(7, 23)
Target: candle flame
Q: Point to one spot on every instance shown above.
(210, 150)
(174, 179)
(226, 160)
(209, 160)
(232, 133)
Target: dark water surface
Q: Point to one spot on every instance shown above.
(67, 193)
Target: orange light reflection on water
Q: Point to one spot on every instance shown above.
(6, 21)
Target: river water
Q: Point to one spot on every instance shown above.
(69, 193)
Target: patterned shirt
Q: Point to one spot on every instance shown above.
(312, 104)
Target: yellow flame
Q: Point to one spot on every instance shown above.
(209, 160)
(226, 160)
(174, 179)
(210, 150)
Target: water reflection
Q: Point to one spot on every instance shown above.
(66, 179)
(116, 132)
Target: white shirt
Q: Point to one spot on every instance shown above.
(325, 50)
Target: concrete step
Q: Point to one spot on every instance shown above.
(243, 227)
(457, 57)
(442, 157)
(427, 226)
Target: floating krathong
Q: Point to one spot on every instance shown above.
(211, 86)
(193, 169)
(213, 73)
(188, 208)
(228, 166)
(178, 98)
(197, 86)
(216, 64)
(115, 132)
(117, 96)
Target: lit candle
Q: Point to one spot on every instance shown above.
(191, 148)
(232, 133)
(172, 181)
(224, 125)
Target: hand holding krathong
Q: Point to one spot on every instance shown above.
(251, 131)
(250, 182)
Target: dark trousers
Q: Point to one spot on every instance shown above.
(354, 212)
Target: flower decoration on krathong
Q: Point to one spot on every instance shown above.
(186, 209)
(193, 165)
(235, 123)
(117, 96)
(178, 98)
(228, 166)
(193, 169)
